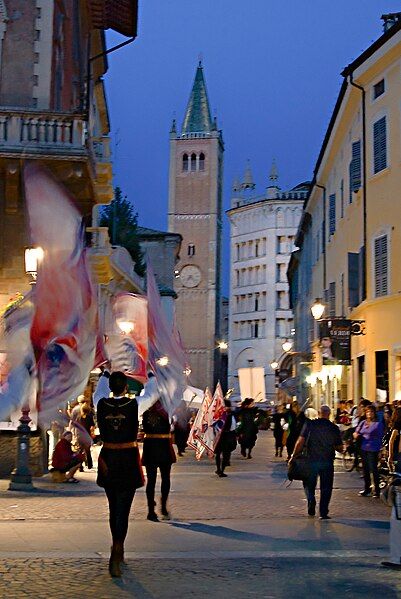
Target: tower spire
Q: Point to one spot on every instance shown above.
(273, 177)
(248, 182)
(197, 115)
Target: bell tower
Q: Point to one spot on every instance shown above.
(195, 211)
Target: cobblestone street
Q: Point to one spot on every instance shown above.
(244, 536)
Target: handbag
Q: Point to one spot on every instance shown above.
(300, 467)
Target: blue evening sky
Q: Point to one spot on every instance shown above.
(272, 69)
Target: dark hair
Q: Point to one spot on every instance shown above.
(117, 382)
(396, 418)
(227, 403)
(247, 402)
(366, 403)
(372, 408)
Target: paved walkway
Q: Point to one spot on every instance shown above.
(244, 536)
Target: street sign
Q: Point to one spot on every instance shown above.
(335, 341)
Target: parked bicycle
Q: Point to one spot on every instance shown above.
(351, 458)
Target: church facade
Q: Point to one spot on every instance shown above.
(195, 212)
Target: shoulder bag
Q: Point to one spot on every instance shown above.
(300, 467)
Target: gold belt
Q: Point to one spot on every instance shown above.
(127, 445)
(157, 436)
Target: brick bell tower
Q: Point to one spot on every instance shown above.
(195, 211)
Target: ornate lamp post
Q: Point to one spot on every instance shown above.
(21, 476)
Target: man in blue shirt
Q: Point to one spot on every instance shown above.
(322, 439)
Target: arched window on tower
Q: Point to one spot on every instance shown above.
(193, 162)
(201, 161)
(185, 163)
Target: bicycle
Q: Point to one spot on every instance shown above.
(351, 459)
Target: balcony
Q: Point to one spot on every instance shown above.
(43, 133)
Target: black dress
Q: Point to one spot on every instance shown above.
(118, 423)
(248, 428)
(157, 451)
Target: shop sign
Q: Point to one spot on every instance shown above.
(335, 341)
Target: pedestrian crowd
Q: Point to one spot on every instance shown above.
(111, 417)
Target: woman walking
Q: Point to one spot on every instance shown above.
(371, 431)
(248, 427)
(227, 442)
(158, 453)
(119, 466)
(296, 420)
(278, 431)
(394, 443)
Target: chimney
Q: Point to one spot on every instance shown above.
(390, 20)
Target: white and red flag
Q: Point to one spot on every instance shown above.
(127, 336)
(200, 426)
(216, 417)
(166, 356)
(64, 327)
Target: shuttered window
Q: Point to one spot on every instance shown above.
(380, 145)
(353, 279)
(381, 266)
(332, 214)
(332, 299)
(355, 169)
(342, 198)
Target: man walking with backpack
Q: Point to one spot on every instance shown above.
(322, 439)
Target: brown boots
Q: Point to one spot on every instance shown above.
(116, 559)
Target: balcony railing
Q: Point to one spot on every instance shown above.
(42, 132)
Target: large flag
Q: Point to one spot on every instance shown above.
(18, 376)
(200, 425)
(64, 327)
(166, 356)
(214, 421)
(127, 336)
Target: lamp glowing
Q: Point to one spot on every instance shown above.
(317, 308)
(287, 345)
(223, 345)
(33, 257)
(274, 365)
(125, 326)
(163, 361)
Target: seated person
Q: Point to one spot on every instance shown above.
(65, 460)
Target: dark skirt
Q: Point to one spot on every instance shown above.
(120, 469)
(158, 452)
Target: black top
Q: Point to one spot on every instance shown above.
(321, 436)
(118, 423)
(157, 452)
(117, 419)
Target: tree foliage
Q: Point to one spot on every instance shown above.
(122, 223)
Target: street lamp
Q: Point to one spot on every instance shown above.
(33, 257)
(317, 308)
(287, 346)
(21, 476)
(274, 365)
(125, 326)
(163, 361)
(222, 345)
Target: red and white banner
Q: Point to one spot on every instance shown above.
(64, 327)
(208, 425)
(200, 425)
(127, 336)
